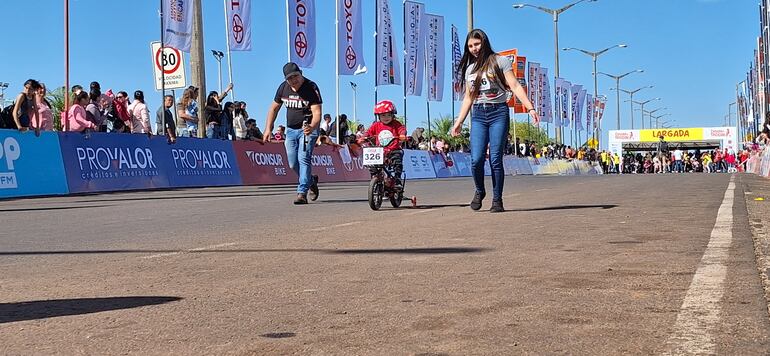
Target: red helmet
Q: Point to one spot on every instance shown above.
(385, 106)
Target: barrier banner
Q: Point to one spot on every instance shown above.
(194, 162)
(353, 165)
(263, 164)
(30, 165)
(108, 162)
(461, 166)
(517, 166)
(418, 165)
(327, 164)
(440, 165)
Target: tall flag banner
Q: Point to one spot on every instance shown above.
(546, 110)
(579, 107)
(388, 69)
(239, 24)
(414, 46)
(557, 101)
(599, 110)
(565, 103)
(533, 88)
(574, 94)
(177, 24)
(434, 40)
(457, 81)
(350, 37)
(589, 111)
(302, 39)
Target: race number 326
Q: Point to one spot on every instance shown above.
(373, 156)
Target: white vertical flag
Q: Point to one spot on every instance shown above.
(565, 102)
(388, 69)
(239, 24)
(589, 110)
(557, 101)
(302, 42)
(351, 39)
(533, 88)
(574, 94)
(579, 107)
(457, 82)
(414, 47)
(546, 109)
(177, 24)
(435, 57)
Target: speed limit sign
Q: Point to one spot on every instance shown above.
(168, 64)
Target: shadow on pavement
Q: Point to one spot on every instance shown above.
(419, 250)
(566, 207)
(42, 309)
(194, 196)
(51, 208)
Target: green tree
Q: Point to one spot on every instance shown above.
(527, 131)
(56, 99)
(441, 128)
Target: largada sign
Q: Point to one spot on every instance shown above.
(169, 65)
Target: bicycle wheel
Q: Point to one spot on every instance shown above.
(396, 198)
(375, 193)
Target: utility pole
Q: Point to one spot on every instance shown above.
(197, 65)
(470, 15)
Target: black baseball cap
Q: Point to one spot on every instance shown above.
(291, 69)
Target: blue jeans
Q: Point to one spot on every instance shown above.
(678, 167)
(489, 126)
(299, 156)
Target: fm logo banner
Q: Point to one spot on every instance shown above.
(30, 165)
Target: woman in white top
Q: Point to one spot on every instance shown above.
(140, 115)
(488, 81)
(239, 121)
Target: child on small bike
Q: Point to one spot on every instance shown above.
(389, 133)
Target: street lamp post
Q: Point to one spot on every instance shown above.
(595, 56)
(555, 15)
(649, 114)
(631, 93)
(657, 119)
(617, 85)
(642, 103)
(218, 56)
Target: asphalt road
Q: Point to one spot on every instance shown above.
(599, 265)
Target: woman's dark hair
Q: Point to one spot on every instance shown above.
(139, 95)
(211, 99)
(229, 107)
(33, 84)
(82, 95)
(94, 94)
(360, 127)
(486, 59)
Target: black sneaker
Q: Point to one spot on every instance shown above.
(497, 206)
(313, 193)
(476, 202)
(301, 199)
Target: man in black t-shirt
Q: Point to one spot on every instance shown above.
(303, 116)
(164, 117)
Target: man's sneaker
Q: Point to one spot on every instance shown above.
(313, 193)
(301, 199)
(476, 202)
(497, 206)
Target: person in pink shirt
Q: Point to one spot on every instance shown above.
(44, 111)
(77, 114)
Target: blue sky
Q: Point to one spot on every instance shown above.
(692, 51)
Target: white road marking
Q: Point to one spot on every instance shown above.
(221, 198)
(322, 228)
(698, 317)
(199, 249)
